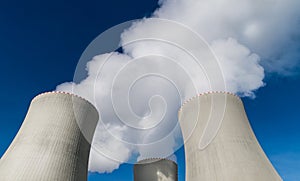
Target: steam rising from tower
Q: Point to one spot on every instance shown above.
(242, 37)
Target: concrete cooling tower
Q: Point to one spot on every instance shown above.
(53, 142)
(155, 170)
(219, 142)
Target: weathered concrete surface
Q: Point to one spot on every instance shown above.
(155, 170)
(50, 145)
(234, 153)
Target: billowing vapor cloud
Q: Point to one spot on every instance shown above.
(269, 28)
(139, 91)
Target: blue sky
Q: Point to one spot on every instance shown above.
(41, 42)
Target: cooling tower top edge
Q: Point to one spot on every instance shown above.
(208, 93)
(60, 92)
(150, 160)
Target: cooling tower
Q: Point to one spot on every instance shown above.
(155, 170)
(50, 146)
(219, 142)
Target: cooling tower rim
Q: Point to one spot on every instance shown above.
(150, 160)
(209, 93)
(63, 93)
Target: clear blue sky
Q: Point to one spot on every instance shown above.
(41, 42)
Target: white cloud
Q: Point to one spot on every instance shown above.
(241, 68)
(270, 28)
(139, 92)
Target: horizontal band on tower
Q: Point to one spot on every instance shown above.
(60, 92)
(208, 93)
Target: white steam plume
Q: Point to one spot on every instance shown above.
(249, 38)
